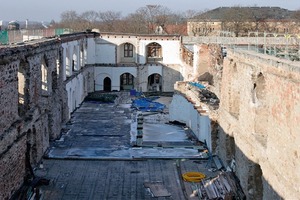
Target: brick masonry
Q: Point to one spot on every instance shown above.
(30, 119)
(255, 129)
(259, 123)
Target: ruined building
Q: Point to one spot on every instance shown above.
(254, 130)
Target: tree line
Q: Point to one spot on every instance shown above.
(144, 20)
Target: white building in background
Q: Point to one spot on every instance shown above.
(124, 62)
(118, 62)
(144, 63)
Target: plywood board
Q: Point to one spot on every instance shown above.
(157, 189)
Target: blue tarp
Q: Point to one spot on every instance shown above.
(133, 92)
(197, 85)
(147, 105)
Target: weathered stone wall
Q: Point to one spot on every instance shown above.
(209, 66)
(8, 94)
(28, 114)
(33, 104)
(12, 168)
(259, 123)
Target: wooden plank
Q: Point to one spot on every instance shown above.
(225, 183)
(210, 191)
(217, 163)
(157, 189)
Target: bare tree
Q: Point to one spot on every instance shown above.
(89, 19)
(191, 14)
(69, 19)
(154, 15)
(135, 23)
(144, 20)
(109, 20)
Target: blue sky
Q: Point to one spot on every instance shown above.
(46, 10)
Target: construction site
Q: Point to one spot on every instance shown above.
(94, 115)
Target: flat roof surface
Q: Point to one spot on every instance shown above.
(94, 159)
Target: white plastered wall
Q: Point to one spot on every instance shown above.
(114, 74)
(185, 113)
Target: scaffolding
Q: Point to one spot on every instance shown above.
(280, 45)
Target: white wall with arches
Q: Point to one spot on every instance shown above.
(170, 50)
(114, 74)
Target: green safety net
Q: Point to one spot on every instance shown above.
(60, 31)
(4, 37)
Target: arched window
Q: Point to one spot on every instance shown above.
(126, 81)
(154, 50)
(128, 50)
(155, 82)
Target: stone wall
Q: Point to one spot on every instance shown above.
(34, 103)
(28, 112)
(259, 123)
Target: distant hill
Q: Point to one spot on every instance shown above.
(252, 12)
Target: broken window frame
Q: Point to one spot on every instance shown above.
(154, 50)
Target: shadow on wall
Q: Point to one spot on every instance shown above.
(250, 174)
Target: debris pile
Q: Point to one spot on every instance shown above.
(224, 186)
(205, 95)
(209, 98)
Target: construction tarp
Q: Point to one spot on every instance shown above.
(198, 85)
(147, 105)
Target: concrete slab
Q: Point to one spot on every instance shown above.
(163, 132)
(123, 153)
(116, 180)
(104, 131)
(94, 159)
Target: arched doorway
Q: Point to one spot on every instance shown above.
(107, 84)
(155, 82)
(126, 81)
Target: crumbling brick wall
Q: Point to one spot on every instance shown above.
(28, 117)
(209, 66)
(9, 94)
(260, 110)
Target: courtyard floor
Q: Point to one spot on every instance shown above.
(95, 158)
